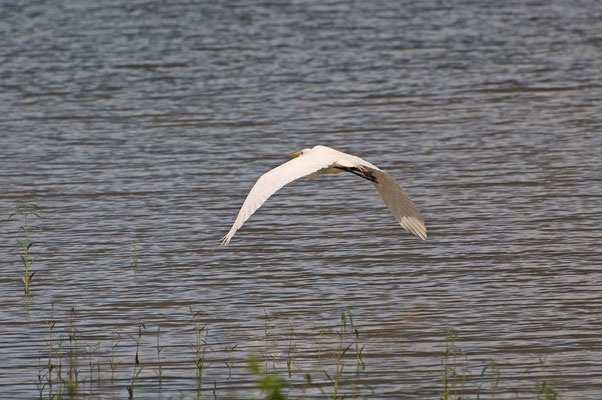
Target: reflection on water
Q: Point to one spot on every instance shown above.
(147, 123)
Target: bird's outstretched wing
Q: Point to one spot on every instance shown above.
(273, 180)
(400, 205)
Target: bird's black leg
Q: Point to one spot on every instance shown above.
(362, 174)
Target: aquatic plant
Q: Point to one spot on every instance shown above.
(452, 377)
(338, 356)
(267, 337)
(72, 382)
(270, 384)
(112, 363)
(229, 349)
(360, 365)
(544, 389)
(159, 348)
(489, 373)
(201, 345)
(292, 349)
(455, 375)
(135, 249)
(92, 351)
(293, 373)
(27, 209)
(137, 367)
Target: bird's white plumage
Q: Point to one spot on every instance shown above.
(325, 160)
(400, 205)
(273, 180)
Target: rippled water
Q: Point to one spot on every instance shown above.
(145, 123)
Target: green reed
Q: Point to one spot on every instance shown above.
(544, 388)
(27, 210)
(359, 361)
(490, 373)
(50, 377)
(89, 375)
(92, 351)
(41, 380)
(137, 367)
(72, 382)
(340, 353)
(452, 377)
(267, 336)
(60, 380)
(159, 348)
(201, 345)
(50, 323)
(91, 371)
(458, 383)
(270, 384)
(229, 349)
(135, 249)
(290, 356)
(115, 340)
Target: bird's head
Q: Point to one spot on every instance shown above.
(298, 153)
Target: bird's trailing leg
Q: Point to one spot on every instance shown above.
(361, 173)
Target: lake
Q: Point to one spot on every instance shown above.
(139, 127)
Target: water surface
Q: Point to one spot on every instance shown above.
(147, 123)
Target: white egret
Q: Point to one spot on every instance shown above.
(325, 160)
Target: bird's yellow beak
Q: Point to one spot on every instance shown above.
(295, 154)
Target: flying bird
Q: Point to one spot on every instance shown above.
(325, 160)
